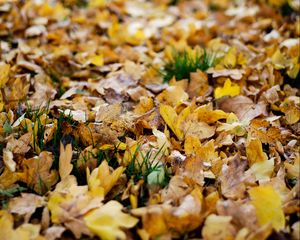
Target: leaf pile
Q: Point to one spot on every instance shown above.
(149, 119)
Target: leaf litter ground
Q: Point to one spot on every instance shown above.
(149, 119)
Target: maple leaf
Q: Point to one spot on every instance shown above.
(107, 221)
(68, 204)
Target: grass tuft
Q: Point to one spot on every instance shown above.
(184, 63)
(141, 170)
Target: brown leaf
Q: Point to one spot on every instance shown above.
(232, 178)
(37, 174)
(243, 107)
(26, 204)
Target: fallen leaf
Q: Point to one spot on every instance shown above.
(268, 206)
(108, 220)
(229, 89)
(26, 204)
(101, 179)
(262, 170)
(218, 228)
(233, 177)
(37, 172)
(199, 129)
(243, 107)
(65, 157)
(97, 60)
(173, 96)
(255, 152)
(5, 70)
(8, 160)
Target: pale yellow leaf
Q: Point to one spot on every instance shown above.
(263, 170)
(65, 157)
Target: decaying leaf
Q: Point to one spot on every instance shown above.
(183, 115)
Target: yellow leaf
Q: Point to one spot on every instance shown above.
(192, 145)
(97, 3)
(97, 60)
(255, 152)
(208, 115)
(199, 129)
(7, 178)
(268, 206)
(230, 59)
(119, 146)
(65, 157)
(179, 120)
(278, 60)
(293, 170)
(54, 205)
(4, 73)
(173, 95)
(263, 170)
(108, 220)
(169, 115)
(25, 231)
(137, 38)
(218, 228)
(229, 89)
(101, 180)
